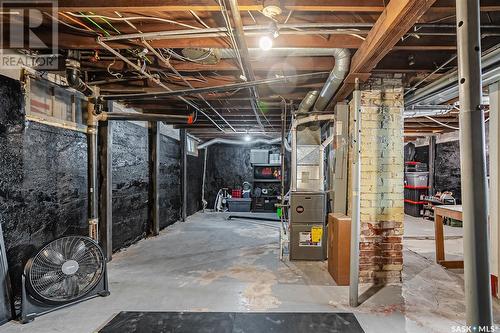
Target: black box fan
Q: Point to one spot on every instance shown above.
(68, 270)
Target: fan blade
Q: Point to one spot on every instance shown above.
(88, 268)
(78, 251)
(53, 289)
(47, 278)
(53, 256)
(70, 286)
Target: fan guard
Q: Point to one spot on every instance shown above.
(65, 270)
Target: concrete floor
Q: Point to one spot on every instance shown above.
(211, 264)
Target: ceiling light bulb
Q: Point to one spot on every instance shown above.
(266, 43)
(247, 138)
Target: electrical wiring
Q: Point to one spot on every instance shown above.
(229, 29)
(117, 75)
(94, 23)
(134, 18)
(69, 25)
(128, 22)
(77, 22)
(199, 19)
(110, 25)
(442, 124)
(180, 57)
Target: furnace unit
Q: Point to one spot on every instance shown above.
(308, 235)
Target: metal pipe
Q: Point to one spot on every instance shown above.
(73, 78)
(283, 149)
(213, 89)
(168, 118)
(92, 182)
(167, 63)
(473, 167)
(446, 87)
(335, 28)
(355, 199)
(245, 57)
(238, 142)
(154, 79)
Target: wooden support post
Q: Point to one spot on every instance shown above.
(183, 144)
(105, 207)
(154, 173)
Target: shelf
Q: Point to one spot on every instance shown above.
(267, 180)
(269, 164)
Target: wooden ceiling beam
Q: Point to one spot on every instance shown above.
(396, 19)
(148, 6)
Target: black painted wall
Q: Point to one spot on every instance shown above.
(195, 181)
(130, 183)
(43, 186)
(229, 166)
(447, 168)
(170, 181)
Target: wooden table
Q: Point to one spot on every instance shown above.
(440, 212)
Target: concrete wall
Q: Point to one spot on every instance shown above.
(43, 186)
(382, 210)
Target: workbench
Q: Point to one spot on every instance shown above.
(440, 212)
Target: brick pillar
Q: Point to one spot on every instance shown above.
(382, 191)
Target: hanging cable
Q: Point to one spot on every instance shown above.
(199, 19)
(78, 22)
(133, 18)
(442, 124)
(87, 30)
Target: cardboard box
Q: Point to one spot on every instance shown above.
(339, 247)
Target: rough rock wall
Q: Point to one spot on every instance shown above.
(229, 166)
(447, 168)
(170, 181)
(43, 185)
(130, 183)
(195, 181)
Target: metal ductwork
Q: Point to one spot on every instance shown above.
(446, 87)
(239, 142)
(337, 75)
(308, 101)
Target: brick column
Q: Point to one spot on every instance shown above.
(382, 191)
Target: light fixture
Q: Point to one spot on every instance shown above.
(271, 8)
(265, 43)
(247, 138)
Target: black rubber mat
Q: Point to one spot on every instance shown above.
(232, 322)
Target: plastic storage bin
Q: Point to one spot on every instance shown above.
(418, 179)
(239, 204)
(415, 194)
(413, 208)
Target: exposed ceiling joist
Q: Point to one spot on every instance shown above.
(397, 18)
(367, 6)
